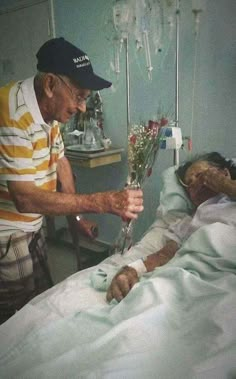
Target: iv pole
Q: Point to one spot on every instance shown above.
(126, 43)
(176, 151)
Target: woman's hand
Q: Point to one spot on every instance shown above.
(209, 183)
(218, 180)
(122, 283)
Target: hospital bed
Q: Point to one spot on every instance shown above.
(178, 322)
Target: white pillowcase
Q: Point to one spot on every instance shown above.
(173, 198)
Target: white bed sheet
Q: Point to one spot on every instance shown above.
(178, 323)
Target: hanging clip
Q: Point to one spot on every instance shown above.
(190, 143)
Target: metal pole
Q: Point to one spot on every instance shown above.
(127, 83)
(176, 151)
(52, 17)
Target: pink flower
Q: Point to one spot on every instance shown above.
(133, 139)
(163, 121)
(153, 127)
(153, 124)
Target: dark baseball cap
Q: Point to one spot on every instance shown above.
(59, 56)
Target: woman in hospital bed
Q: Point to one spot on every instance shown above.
(178, 322)
(209, 181)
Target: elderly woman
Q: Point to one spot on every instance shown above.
(210, 182)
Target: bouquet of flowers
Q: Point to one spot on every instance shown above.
(143, 146)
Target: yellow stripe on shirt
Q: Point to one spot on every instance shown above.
(29, 150)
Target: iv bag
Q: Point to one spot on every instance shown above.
(121, 17)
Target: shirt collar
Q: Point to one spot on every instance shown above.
(31, 101)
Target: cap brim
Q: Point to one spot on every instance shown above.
(92, 82)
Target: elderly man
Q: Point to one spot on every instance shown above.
(32, 161)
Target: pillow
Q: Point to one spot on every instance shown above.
(173, 198)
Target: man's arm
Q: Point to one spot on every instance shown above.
(65, 176)
(66, 184)
(29, 198)
(126, 278)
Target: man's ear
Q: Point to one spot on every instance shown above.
(49, 84)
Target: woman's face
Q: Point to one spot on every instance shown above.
(197, 191)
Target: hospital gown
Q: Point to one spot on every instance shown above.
(219, 208)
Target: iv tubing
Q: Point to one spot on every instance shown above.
(117, 58)
(147, 53)
(176, 151)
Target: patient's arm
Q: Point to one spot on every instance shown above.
(126, 278)
(162, 256)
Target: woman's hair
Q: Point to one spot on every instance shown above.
(214, 159)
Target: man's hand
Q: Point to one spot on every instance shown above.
(122, 283)
(87, 228)
(126, 204)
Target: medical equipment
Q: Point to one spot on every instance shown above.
(171, 138)
(141, 20)
(176, 151)
(144, 20)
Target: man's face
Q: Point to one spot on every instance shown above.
(197, 192)
(68, 99)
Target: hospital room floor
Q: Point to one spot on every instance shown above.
(63, 263)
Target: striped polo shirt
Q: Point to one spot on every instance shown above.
(29, 151)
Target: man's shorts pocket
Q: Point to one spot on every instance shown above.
(15, 260)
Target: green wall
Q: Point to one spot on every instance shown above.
(86, 23)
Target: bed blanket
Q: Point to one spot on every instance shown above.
(178, 322)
